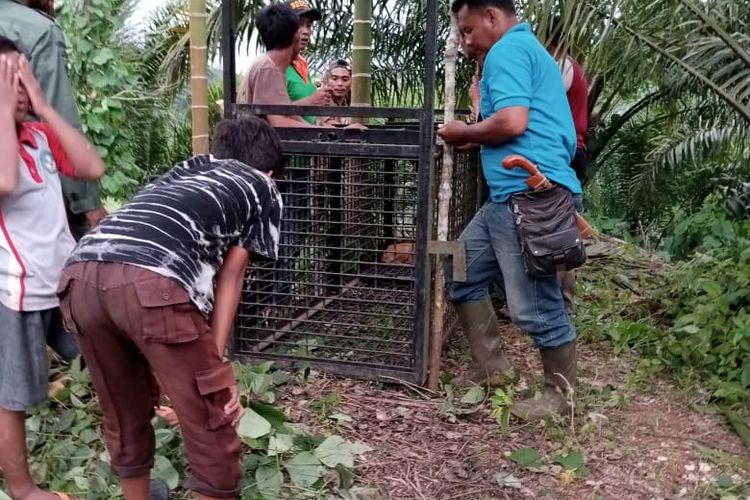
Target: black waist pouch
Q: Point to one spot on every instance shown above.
(548, 231)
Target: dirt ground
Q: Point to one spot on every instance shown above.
(637, 443)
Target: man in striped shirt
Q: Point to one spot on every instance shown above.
(165, 273)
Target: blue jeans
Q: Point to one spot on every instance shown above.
(493, 252)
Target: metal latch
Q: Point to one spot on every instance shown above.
(457, 250)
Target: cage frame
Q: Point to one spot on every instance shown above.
(418, 144)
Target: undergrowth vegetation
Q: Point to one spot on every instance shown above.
(280, 459)
(689, 316)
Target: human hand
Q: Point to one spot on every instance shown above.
(8, 87)
(356, 126)
(453, 133)
(30, 83)
(95, 216)
(321, 97)
(233, 408)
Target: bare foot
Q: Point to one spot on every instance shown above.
(39, 494)
(168, 414)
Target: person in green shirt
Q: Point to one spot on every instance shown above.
(41, 39)
(300, 87)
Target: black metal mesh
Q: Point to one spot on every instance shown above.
(467, 195)
(343, 294)
(330, 297)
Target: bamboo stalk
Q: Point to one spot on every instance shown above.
(362, 55)
(199, 76)
(444, 199)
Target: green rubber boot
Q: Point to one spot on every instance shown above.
(489, 364)
(559, 377)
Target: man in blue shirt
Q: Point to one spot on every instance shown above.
(525, 111)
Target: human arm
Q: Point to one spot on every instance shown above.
(229, 282)
(269, 87)
(86, 162)
(499, 128)
(49, 63)
(8, 135)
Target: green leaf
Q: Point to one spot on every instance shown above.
(253, 426)
(103, 56)
(574, 460)
(273, 415)
(88, 436)
(269, 479)
(164, 470)
(334, 451)
(346, 477)
(304, 469)
(725, 481)
(746, 376)
(526, 457)
(280, 443)
(689, 329)
(474, 396)
(164, 437)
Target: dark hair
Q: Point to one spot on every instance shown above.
(251, 141)
(277, 24)
(7, 46)
(507, 6)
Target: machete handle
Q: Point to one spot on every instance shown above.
(537, 181)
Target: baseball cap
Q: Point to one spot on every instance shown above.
(303, 8)
(339, 63)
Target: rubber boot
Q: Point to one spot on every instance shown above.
(489, 364)
(559, 377)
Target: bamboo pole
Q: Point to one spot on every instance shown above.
(444, 199)
(362, 53)
(199, 76)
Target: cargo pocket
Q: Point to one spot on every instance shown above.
(166, 312)
(213, 386)
(63, 293)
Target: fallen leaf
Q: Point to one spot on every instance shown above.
(473, 396)
(507, 480)
(304, 469)
(341, 417)
(269, 480)
(527, 457)
(334, 451)
(253, 426)
(358, 448)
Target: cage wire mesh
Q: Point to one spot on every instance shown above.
(342, 295)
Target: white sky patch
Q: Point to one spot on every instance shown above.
(245, 53)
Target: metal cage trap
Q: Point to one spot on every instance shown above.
(350, 292)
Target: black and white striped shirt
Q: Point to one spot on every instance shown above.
(182, 224)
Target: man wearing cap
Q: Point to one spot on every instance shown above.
(300, 87)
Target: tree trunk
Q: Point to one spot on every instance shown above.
(444, 199)
(199, 76)
(362, 53)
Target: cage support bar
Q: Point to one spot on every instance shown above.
(300, 319)
(457, 250)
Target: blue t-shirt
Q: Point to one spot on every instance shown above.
(518, 71)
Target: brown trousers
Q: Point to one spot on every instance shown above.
(130, 321)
